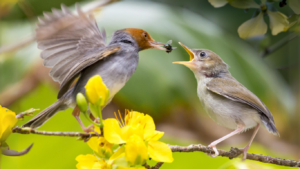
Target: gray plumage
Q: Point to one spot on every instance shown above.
(73, 46)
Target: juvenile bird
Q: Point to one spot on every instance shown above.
(73, 46)
(226, 101)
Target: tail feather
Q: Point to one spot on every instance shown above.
(270, 125)
(45, 115)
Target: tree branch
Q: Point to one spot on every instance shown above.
(233, 153)
(278, 45)
(157, 166)
(84, 136)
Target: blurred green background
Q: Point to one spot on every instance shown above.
(165, 91)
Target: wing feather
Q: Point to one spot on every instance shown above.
(65, 38)
(235, 91)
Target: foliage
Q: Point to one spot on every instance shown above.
(256, 26)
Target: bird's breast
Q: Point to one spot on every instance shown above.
(115, 72)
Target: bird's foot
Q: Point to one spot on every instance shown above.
(215, 150)
(89, 129)
(245, 152)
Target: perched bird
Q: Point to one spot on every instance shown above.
(226, 101)
(73, 46)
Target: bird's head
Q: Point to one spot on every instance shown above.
(204, 62)
(137, 37)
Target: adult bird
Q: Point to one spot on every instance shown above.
(226, 101)
(73, 46)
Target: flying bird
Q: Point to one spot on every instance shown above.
(74, 47)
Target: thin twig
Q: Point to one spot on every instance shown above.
(157, 166)
(235, 152)
(278, 45)
(50, 133)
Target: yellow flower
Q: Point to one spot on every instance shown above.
(136, 151)
(96, 91)
(100, 146)
(278, 22)
(7, 122)
(137, 125)
(90, 161)
(253, 27)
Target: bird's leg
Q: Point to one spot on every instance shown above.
(213, 144)
(76, 113)
(252, 138)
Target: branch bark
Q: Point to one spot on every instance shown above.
(157, 166)
(278, 45)
(84, 136)
(233, 153)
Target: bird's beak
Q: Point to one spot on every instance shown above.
(189, 64)
(157, 45)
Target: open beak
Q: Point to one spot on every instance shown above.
(189, 64)
(157, 45)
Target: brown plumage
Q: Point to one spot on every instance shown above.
(226, 100)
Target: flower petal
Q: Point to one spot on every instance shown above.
(160, 151)
(93, 141)
(295, 6)
(86, 161)
(96, 89)
(118, 154)
(217, 3)
(278, 22)
(128, 131)
(253, 27)
(149, 127)
(112, 131)
(136, 150)
(243, 4)
(157, 135)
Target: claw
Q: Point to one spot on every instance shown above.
(215, 150)
(244, 152)
(8, 152)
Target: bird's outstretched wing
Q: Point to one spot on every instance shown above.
(83, 63)
(235, 91)
(65, 38)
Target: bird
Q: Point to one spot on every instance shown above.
(75, 48)
(225, 100)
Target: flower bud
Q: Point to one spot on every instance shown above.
(81, 102)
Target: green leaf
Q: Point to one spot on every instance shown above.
(94, 110)
(294, 19)
(278, 22)
(243, 4)
(217, 3)
(295, 5)
(253, 27)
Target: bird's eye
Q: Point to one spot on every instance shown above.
(145, 35)
(202, 54)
